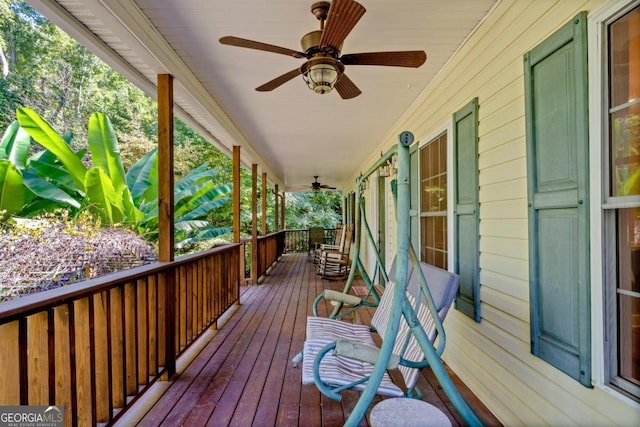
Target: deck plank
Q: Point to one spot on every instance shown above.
(244, 375)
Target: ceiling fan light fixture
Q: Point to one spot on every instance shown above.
(321, 74)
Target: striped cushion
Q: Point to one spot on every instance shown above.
(337, 370)
(383, 311)
(331, 329)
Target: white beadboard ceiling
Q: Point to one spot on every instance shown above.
(291, 132)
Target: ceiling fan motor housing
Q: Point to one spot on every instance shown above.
(310, 43)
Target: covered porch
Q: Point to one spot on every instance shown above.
(241, 374)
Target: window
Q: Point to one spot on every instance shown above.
(622, 199)
(433, 202)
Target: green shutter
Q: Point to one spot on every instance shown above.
(467, 208)
(557, 169)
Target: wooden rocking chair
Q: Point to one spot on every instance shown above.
(336, 263)
(338, 239)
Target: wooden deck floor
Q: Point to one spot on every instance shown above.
(243, 376)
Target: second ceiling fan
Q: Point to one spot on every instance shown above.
(324, 67)
(316, 186)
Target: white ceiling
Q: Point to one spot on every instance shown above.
(291, 132)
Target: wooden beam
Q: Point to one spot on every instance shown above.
(276, 226)
(236, 193)
(254, 223)
(284, 206)
(264, 203)
(165, 168)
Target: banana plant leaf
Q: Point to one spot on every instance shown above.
(188, 197)
(56, 174)
(203, 210)
(105, 152)
(12, 189)
(38, 206)
(46, 190)
(46, 136)
(201, 198)
(198, 174)
(142, 177)
(204, 234)
(131, 212)
(190, 226)
(102, 197)
(14, 145)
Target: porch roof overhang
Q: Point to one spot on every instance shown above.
(291, 132)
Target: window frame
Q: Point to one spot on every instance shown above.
(448, 128)
(603, 206)
(442, 213)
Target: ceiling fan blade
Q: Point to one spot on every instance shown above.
(251, 44)
(278, 81)
(346, 88)
(406, 58)
(342, 17)
(327, 187)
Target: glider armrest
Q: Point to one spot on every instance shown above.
(331, 295)
(362, 352)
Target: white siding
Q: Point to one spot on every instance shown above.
(493, 357)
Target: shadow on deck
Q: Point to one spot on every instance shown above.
(242, 375)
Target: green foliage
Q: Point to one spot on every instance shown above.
(58, 174)
(14, 145)
(196, 199)
(43, 133)
(11, 189)
(51, 73)
(308, 209)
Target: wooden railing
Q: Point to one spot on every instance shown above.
(96, 346)
(269, 249)
(297, 240)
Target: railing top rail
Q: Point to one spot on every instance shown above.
(29, 304)
(273, 234)
(306, 229)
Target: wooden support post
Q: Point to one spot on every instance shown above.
(276, 226)
(236, 194)
(165, 168)
(254, 223)
(165, 211)
(284, 205)
(264, 203)
(236, 209)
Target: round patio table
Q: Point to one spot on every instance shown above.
(405, 412)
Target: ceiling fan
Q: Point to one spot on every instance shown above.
(316, 186)
(324, 66)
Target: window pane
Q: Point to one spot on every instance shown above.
(624, 104)
(629, 338)
(434, 240)
(624, 61)
(625, 151)
(629, 294)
